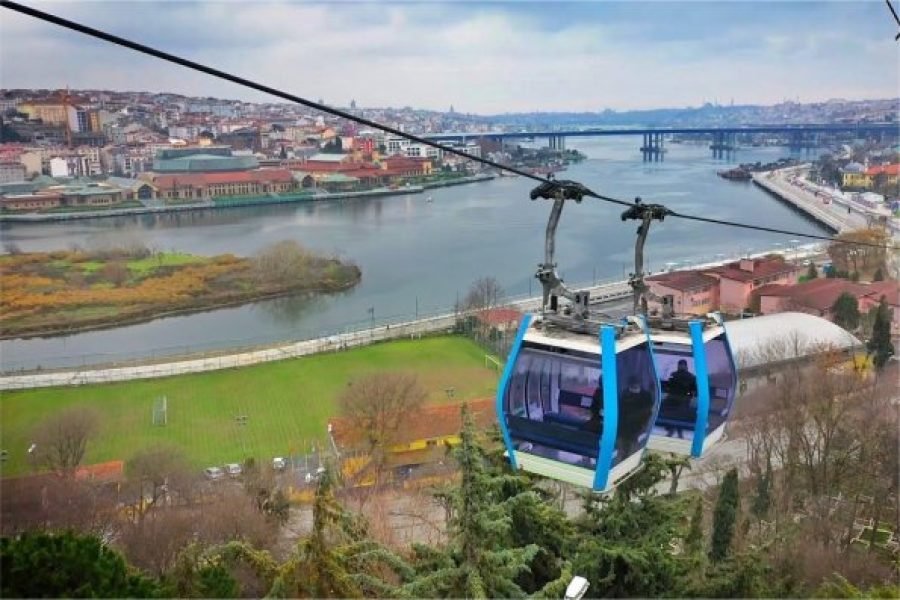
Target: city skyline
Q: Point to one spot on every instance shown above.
(480, 58)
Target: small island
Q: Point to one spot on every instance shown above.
(61, 292)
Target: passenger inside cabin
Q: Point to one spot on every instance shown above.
(635, 411)
(595, 422)
(682, 382)
(679, 403)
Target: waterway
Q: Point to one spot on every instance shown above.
(418, 257)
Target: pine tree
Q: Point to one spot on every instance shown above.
(626, 540)
(879, 275)
(725, 517)
(67, 565)
(880, 346)
(846, 311)
(479, 561)
(693, 542)
(812, 272)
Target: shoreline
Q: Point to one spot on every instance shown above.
(145, 316)
(239, 202)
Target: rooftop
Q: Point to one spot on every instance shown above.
(684, 281)
(787, 335)
(761, 268)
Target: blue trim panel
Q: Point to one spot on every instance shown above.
(702, 375)
(610, 407)
(504, 384)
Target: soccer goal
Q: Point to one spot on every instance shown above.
(160, 411)
(492, 362)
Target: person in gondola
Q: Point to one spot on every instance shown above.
(682, 388)
(635, 411)
(595, 422)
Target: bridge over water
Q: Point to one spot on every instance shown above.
(724, 139)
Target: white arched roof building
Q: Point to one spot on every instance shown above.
(784, 336)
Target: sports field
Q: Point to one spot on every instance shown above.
(287, 403)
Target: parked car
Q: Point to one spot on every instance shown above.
(233, 469)
(279, 463)
(214, 473)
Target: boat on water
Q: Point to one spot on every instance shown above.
(429, 199)
(736, 174)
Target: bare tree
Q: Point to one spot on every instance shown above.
(61, 440)
(157, 476)
(115, 272)
(377, 405)
(283, 261)
(483, 294)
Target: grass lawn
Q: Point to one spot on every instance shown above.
(288, 403)
(145, 266)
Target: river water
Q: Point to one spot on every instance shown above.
(418, 257)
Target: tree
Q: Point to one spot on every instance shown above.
(67, 565)
(725, 517)
(861, 250)
(483, 294)
(812, 272)
(338, 560)
(479, 560)
(762, 501)
(283, 261)
(879, 275)
(694, 540)
(846, 311)
(626, 542)
(61, 439)
(879, 345)
(261, 486)
(333, 147)
(377, 406)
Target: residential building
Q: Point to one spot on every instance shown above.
(738, 280)
(11, 171)
(727, 288)
(817, 297)
(853, 176)
(688, 292)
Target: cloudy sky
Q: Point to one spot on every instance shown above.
(480, 57)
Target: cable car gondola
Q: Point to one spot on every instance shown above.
(698, 381)
(693, 360)
(579, 392)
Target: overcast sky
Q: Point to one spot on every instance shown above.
(479, 57)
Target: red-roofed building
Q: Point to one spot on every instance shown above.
(500, 319)
(406, 167)
(819, 295)
(689, 292)
(738, 280)
(202, 186)
(727, 288)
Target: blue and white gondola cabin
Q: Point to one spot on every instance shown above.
(698, 380)
(578, 407)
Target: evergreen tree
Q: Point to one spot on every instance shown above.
(762, 501)
(338, 560)
(725, 517)
(879, 275)
(71, 565)
(880, 346)
(480, 560)
(812, 272)
(625, 546)
(693, 542)
(846, 311)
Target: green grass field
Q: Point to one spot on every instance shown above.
(287, 403)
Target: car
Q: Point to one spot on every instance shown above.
(214, 473)
(233, 469)
(279, 463)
